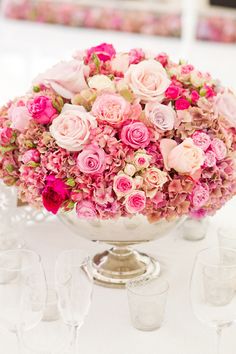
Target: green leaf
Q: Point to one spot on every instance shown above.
(128, 96)
(10, 168)
(4, 149)
(96, 61)
(33, 164)
(36, 89)
(70, 182)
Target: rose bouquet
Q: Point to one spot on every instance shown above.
(110, 134)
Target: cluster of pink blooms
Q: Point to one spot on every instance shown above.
(217, 28)
(116, 17)
(112, 134)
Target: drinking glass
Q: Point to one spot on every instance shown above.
(227, 237)
(147, 302)
(212, 288)
(22, 291)
(74, 285)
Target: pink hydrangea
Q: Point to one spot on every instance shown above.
(202, 140)
(200, 196)
(219, 148)
(210, 159)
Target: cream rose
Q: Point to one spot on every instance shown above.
(66, 78)
(161, 116)
(101, 83)
(225, 106)
(71, 129)
(148, 80)
(154, 178)
(186, 157)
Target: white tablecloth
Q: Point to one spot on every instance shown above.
(26, 49)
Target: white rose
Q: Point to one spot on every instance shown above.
(101, 83)
(148, 80)
(71, 129)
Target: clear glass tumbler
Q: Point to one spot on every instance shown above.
(147, 302)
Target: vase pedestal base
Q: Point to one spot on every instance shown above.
(115, 267)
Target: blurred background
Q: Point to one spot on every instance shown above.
(35, 34)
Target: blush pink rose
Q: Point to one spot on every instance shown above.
(31, 155)
(19, 116)
(148, 80)
(135, 134)
(154, 178)
(135, 202)
(6, 135)
(201, 139)
(219, 148)
(103, 51)
(66, 78)
(141, 160)
(111, 108)
(161, 116)
(185, 158)
(123, 185)
(54, 194)
(182, 104)
(200, 196)
(92, 160)
(86, 210)
(225, 106)
(210, 159)
(42, 110)
(71, 129)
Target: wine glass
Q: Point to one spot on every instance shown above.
(74, 286)
(22, 291)
(213, 288)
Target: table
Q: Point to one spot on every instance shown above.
(28, 48)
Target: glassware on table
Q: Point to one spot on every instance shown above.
(195, 229)
(227, 237)
(22, 291)
(147, 302)
(74, 286)
(213, 288)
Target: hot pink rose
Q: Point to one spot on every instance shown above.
(200, 196)
(219, 148)
(161, 116)
(182, 104)
(201, 139)
(20, 117)
(6, 135)
(31, 155)
(162, 58)
(66, 78)
(91, 160)
(210, 159)
(148, 80)
(225, 106)
(173, 92)
(111, 108)
(55, 193)
(42, 110)
(71, 129)
(103, 51)
(135, 134)
(135, 202)
(123, 185)
(86, 210)
(194, 96)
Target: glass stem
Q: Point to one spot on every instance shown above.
(19, 342)
(74, 343)
(219, 335)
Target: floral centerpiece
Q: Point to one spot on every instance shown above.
(115, 134)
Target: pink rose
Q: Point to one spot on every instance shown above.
(91, 160)
(162, 58)
(66, 78)
(111, 108)
(200, 196)
(186, 69)
(42, 110)
(136, 55)
(141, 160)
(219, 148)
(103, 51)
(86, 210)
(20, 117)
(173, 92)
(225, 106)
(201, 139)
(123, 185)
(135, 134)
(71, 129)
(135, 202)
(6, 135)
(31, 155)
(154, 178)
(194, 96)
(185, 158)
(148, 80)
(210, 159)
(182, 104)
(161, 116)
(120, 63)
(55, 193)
